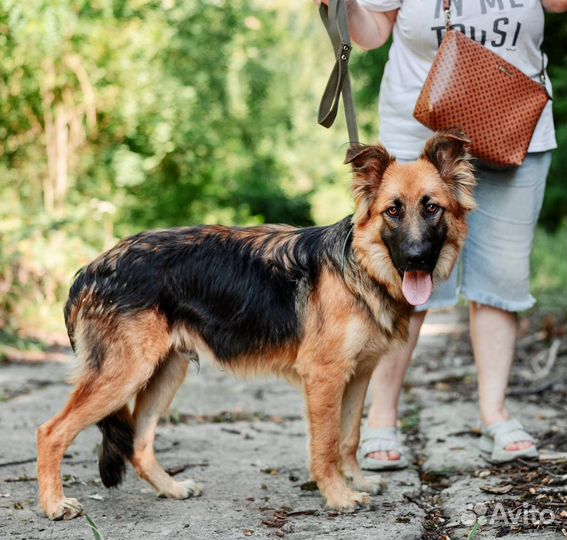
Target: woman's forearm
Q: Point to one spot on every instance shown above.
(554, 6)
(369, 29)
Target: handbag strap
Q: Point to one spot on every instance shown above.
(447, 10)
(335, 20)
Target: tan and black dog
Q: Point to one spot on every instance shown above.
(316, 305)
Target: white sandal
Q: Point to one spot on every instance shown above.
(381, 440)
(497, 436)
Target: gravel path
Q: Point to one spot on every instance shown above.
(245, 441)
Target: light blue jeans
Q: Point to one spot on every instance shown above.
(494, 268)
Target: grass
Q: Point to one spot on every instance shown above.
(549, 268)
(22, 343)
(473, 533)
(10, 340)
(94, 528)
(410, 419)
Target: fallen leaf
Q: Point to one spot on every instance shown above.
(499, 490)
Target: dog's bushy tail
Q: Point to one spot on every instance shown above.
(117, 446)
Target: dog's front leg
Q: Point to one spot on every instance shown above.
(324, 391)
(351, 415)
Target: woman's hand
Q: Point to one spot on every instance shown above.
(326, 2)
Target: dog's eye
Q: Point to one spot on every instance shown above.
(393, 211)
(432, 208)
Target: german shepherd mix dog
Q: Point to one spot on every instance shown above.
(318, 305)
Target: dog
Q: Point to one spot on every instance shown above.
(317, 305)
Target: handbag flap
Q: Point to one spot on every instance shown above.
(472, 88)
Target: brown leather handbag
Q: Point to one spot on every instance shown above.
(471, 88)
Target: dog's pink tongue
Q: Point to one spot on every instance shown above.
(416, 287)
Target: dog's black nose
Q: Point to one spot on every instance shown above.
(417, 255)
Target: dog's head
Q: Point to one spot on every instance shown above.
(410, 219)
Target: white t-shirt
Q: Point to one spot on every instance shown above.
(513, 29)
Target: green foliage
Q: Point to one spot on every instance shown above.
(549, 271)
(555, 203)
(368, 69)
(121, 115)
(38, 256)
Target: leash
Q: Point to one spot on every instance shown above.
(335, 20)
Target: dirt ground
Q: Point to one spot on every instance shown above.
(245, 441)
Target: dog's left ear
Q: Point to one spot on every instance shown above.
(448, 152)
(369, 163)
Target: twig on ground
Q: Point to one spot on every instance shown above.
(553, 490)
(532, 388)
(18, 462)
(542, 363)
(552, 457)
(526, 341)
(180, 468)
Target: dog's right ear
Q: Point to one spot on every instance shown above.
(369, 163)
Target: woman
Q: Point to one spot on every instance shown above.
(495, 274)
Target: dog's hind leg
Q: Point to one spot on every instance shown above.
(351, 416)
(151, 402)
(134, 347)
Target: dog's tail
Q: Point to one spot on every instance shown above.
(117, 446)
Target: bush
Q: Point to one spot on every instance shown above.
(38, 258)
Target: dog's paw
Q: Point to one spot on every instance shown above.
(192, 488)
(183, 490)
(349, 501)
(66, 509)
(370, 484)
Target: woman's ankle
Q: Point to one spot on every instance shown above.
(493, 415)
(381, 419)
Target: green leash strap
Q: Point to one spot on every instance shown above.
(335, 20)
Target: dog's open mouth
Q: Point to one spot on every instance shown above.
(417, 287)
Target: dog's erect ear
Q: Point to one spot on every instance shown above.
(362, 155)
(369, 163)
(445, 148)
(447, 151)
